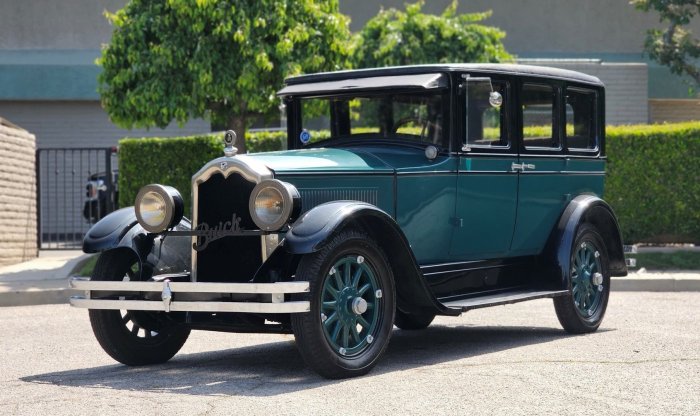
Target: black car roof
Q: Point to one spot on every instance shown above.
(509, 69)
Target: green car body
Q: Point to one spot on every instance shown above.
(405, 193)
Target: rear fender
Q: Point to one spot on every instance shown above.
(584, 209)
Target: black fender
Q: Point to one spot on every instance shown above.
(156, 254)
(316, 227)
(584, 209)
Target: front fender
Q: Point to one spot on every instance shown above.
(109, 231)
(314, 229)
(584, 209)
(155, 254)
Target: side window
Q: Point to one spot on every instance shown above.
(486, 124)
(538, 107)
(581, 119)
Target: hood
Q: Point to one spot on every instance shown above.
(322, 159)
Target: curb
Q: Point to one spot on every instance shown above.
(31, 293)
(57, 291)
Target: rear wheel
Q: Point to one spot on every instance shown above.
(352, 306)
(133, 337)
(583, 308)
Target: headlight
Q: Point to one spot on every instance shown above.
(273, 203)
(158, 207)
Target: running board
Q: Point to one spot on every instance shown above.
(503, 298)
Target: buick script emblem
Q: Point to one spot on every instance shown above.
(206, 233)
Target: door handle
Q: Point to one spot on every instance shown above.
(514, 167)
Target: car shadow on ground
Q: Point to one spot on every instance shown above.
(276, 368)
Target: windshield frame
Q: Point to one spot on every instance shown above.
(293, 105)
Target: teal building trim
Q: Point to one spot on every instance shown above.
(48, 75)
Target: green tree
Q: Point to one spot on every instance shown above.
(395, 37)
(675, 46)
(173, 60)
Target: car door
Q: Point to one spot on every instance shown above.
(543, 189)
(486, 184)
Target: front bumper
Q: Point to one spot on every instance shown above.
(170, 290)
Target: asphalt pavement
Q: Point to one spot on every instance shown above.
(505, 360)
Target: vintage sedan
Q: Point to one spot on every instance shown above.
(404, 193)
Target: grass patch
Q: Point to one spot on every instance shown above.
(676, 260)
(85, 269)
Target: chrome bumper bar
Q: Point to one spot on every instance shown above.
(168, 289)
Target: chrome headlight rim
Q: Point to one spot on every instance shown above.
(173, 207)
(291, 204)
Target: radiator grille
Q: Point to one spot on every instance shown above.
(230, 259)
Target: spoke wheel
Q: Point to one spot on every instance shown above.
(352, 306)
(133, 337)
(583, 308)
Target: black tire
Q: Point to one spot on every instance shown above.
(412, 322)
(579, 313)
(317, 333)
(133, 337)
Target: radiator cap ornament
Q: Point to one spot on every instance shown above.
(229, 141)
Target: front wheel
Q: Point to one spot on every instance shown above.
(583, 308)
(352, 306)
(133, 337)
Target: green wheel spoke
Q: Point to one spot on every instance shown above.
(336, 331)
(338, 280)
(361, 291)
(331, 290)
(355, 336)
(362, 321)
(356, 277)
(346, 274)
(330, 305)
(370, 306)
(332, 318)
(346, 337)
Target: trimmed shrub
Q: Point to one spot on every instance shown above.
(653, 180)
(173, 161)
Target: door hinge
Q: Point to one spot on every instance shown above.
(457, 222)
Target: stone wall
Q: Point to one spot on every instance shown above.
(673, 111)
(18, 215)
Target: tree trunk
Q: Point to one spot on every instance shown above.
(237, 123)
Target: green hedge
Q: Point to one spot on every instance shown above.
(653, 181)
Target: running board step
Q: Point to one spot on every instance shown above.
(502, 299)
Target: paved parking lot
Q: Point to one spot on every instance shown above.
(505, 360)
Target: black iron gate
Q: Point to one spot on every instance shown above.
(75, 188)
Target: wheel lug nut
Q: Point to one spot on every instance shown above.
(323, 317)
(370, 339)
(342, 351)
(378, 293)
(332, 270)
(360, 259)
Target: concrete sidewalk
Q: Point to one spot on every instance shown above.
(45, 280)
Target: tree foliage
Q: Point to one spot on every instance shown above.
(181, 59)
(396, 37)
(675, 46)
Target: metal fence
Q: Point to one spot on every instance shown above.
(75, 188)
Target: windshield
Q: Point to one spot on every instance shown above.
(405, 117)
